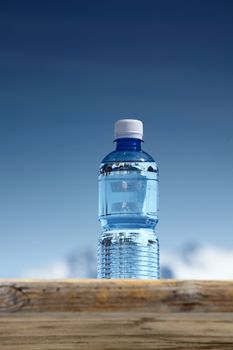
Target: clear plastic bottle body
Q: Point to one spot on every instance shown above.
(128, 212)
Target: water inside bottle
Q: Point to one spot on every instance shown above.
(128, 212)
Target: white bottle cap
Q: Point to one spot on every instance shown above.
(131, 128)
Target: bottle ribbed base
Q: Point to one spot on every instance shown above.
(128, 255)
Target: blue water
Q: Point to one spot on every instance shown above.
(128, 212)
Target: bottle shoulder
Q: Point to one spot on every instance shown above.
(128, 156)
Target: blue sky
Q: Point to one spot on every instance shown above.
(69, 70)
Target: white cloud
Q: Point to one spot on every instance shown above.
(205, 262)
(192, 262)
(56, 269)
(80, 264)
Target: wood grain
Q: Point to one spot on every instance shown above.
(116, 330)
(116, 314)
(120, 295)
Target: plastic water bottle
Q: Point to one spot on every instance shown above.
(128, 208)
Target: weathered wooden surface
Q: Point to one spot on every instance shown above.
(119, 314)
(116, 295)
(116, 330)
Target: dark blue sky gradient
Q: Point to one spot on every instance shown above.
(68, 71)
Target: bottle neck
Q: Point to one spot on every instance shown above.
(128, 144)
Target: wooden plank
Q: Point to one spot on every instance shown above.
(116, 314)
(116, 295)
(116, 330)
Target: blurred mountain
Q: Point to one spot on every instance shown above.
(190, 262)
(83, 264)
